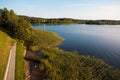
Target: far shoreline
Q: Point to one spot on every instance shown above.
(38, 20)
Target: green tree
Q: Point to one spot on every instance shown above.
(18, 27)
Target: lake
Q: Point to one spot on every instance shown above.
(100, 41)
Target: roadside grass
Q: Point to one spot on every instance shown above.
(20, 69)
(5, 45)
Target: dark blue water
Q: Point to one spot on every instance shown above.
(95, 40)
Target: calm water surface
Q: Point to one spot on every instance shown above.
(95, 40)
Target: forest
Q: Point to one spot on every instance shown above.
(35, 20)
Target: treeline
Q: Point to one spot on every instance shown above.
(103, 22)
(35, 20)
(17, 27)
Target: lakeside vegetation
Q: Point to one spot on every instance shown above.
(35, 20)
(5, 44)
(55, 64)
(40, 39)
(61, 65)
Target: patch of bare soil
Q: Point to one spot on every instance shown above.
(33, 71)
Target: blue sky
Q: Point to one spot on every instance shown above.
(79, 9)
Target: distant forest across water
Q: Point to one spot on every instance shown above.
(36, 20)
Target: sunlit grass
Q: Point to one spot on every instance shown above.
(20, 63)
(41, 39)
(5, 45)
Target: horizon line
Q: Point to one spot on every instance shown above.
(70, 18)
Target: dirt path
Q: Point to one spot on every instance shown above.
(33, 71)
(10, 69)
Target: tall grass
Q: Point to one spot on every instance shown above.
(61, 65)
(20, 63)
(41, 39)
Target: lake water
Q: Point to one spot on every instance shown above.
(100, 41)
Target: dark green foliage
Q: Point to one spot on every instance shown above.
(18, 27)
(103, 22)
(34, 20)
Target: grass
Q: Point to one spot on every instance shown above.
(5, 45)
(61, 65)
(41, 39)
(20, 63)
